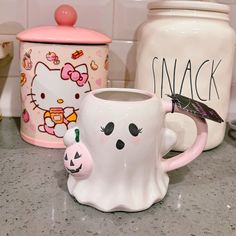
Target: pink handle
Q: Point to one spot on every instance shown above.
(195, 150)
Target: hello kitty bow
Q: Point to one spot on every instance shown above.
(68, 71)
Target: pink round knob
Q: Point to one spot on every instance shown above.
(65, 15)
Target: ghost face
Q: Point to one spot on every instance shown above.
(120, 144)
(119, 134)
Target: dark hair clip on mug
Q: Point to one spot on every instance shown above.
(198, 109)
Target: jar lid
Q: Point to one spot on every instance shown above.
(189, 5)
(65, 31)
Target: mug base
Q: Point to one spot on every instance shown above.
(112, 204)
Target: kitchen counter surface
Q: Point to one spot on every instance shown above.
(34, 200)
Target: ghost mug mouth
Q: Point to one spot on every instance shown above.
(120, 144)
(124, 132)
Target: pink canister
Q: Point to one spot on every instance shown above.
(59, 66)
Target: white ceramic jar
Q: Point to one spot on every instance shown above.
(187, 47)
(59, 66)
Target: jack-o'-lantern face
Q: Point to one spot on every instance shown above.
(74, 162)
(77, 159)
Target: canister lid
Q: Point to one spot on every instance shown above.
(65, 31)
(189, 5)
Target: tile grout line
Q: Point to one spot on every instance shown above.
(27, 14)
(113, 18)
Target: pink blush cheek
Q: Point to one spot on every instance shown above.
(103, 139)
(135, 140)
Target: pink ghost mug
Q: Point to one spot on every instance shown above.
(123, 140)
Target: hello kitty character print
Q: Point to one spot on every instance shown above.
(60, 98)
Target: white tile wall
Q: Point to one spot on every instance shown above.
(119, 19)
(13, 16)
(128, 15)
(122, 60)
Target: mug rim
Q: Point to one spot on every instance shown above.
(146, 93)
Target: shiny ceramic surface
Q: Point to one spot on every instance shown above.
(187, 47)
(64, 31)
(59, 66)
(123, 129)
(54, 80)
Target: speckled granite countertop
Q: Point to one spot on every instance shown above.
(34, 200)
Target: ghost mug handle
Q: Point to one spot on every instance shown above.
(195, 150)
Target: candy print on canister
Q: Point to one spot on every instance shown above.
(59, 66)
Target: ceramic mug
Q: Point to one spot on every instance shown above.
(115, 155)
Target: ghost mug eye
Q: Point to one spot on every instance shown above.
(108, 128)
(134, 130)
